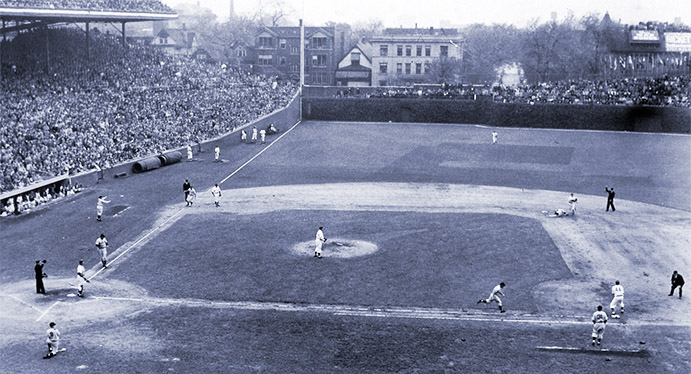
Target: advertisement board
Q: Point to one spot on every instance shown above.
(678, 41)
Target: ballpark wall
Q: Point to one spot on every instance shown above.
(590, 117)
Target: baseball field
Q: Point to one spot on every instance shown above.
(422, 221)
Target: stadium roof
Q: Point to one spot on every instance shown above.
(50, 11)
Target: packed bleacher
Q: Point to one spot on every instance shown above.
(120, 105)
(661, 91)
(147, 6)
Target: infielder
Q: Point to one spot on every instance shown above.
(262, 133)
(618, 298)
(494, 137)
(318, 241)
(599, 321)
(572, 204)
(243, 136)
(81, 278)
(102, 246)
(254, 134)
(53, 340)
(217, 154)
(216, 192)
(99, 207)
(191, 196)
(494, 296)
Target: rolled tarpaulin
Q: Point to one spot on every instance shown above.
(146, 164)
(170, 157)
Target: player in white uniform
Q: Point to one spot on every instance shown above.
(102, 245)
(216, 192)
(572, 204)
(189, 152)
(262, 133)
(494, 296)
(81, 278)
(217, 154)
(318, 241)
(254, 134)
(53, 340)
(99, 206)
(494, 137)
(191, 196)
(243, 136)
(599, 321)
(618, 298)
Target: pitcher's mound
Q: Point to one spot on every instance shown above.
(337, 247)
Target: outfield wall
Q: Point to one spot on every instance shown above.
(558, 116)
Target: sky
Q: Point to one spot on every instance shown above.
(440, 13)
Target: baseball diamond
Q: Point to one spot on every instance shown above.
(403, 266)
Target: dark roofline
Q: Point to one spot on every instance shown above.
(72, 15)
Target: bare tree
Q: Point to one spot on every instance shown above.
(487, 48)
(272, 13)
(366, 30)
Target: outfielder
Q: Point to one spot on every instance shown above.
(243, 136)
(254, 134)
(102, 246)
(81, 278)
(494, 137)
(318, 241)
(599, 321)
(216, 192)
(618, 293)
(494, 296)
(262, 133)
(572, 204)
(217, 154)
(99, 207)
(53, 340)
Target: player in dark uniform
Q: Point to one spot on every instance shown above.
(38, 269)
(610, 198)
(677, 281)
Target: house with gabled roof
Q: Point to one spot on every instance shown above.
(355, 68)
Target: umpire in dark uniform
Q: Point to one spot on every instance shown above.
(677, 281)
(186, 187)
(610, 198)
(38, 269)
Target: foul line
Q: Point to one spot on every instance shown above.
(157, 228)
(22, 302)
(46, 312)
(363, 311)
(260, 152)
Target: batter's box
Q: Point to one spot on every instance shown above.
(116, 210)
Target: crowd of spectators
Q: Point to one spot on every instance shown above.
(154, 6)
(661, 91)
(119, 105)
(661, 26)
(27, 201)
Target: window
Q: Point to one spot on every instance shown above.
(383, 50)
(418, 49)
(294, 68)
(241, 52)
(444, 51)
(283, 60)
(418, 68)
(428, 50)
(282, 43)
(265, 60)
(319, 60)
(355, 58)
(383, 67)
(427, 67)
(407, 67)
(399, 50)
(319, 43)
(382, 83)
(409, 50)
(294, 51)
(399, 68)
(319, 78)
(265, 42)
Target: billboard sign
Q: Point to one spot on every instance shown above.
(645, 36)
(678, 41)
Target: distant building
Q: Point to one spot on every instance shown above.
(355, 68)
(277, 52)
(177, 42)
(402, 56)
